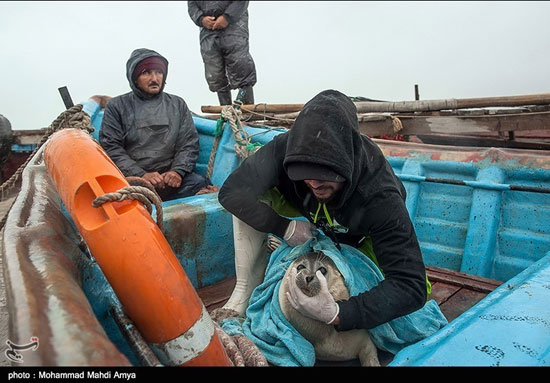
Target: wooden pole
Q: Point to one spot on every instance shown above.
(406, 106)
(258, 108)
(453, 103)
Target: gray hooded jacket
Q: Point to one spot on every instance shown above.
(143, 135)
(236, 13)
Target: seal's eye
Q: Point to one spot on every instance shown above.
(300, 267)
(323, 270)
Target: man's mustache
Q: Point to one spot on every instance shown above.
(154, 83)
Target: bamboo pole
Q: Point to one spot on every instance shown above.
(405, 106)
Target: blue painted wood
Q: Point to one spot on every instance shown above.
(510, 327)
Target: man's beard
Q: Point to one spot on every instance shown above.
(327, 198)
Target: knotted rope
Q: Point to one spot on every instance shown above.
(140, 190)
(244, 146)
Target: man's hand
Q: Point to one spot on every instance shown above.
(298, 232)
(101, 100)
(172, 178)
(221, 23)
(155, 179)
(321, 307)
(208, 22)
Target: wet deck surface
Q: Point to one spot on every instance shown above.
(456, 292)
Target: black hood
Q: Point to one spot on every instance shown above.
(326, 132)
(137, 56)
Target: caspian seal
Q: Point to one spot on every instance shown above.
(329, 344)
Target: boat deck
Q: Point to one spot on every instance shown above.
(454, 292)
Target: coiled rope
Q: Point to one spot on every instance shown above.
(140, 190)
(241, 351)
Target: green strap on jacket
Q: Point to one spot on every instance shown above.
(277, 202)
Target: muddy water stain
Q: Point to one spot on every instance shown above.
(184, 228)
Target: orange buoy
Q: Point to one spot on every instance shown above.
(133, 254)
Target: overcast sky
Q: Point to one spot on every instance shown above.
(372, 49)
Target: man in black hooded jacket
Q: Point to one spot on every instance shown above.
(149, 133)
(338, 179)
(224, 47)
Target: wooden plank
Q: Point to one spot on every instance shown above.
(216, 295)
(485, 142)
(26, 137)
(460, 302)
(441, 292)
(376, 126)
(480, 284)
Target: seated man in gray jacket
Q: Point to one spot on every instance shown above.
(149, 133)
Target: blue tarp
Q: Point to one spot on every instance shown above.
(282, 345)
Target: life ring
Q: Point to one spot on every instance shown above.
(133, 254)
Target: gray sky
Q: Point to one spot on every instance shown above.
(372, 49)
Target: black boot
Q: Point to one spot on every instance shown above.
(225, 97)
(246, 95)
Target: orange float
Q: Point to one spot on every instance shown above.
(133, 254)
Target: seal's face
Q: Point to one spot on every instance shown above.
(307, 266)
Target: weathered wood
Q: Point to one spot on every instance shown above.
(216, 295)
(407, 106)
(260, 108)
(441, 292)
(457, 278)
(379, 125)
(485, 142)
(466, 103)
(460, 302)
(26, 137)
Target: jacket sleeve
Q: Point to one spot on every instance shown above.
(403, 289)
(111, 138)
(235, 10)
(195, 12)
(187, 145)
(240, 193)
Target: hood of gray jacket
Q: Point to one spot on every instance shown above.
(137, 56)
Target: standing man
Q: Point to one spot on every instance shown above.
(224, 47)
(323, 169)
(149, 133)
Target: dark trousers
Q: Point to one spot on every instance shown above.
(190, 185)
(227, 62)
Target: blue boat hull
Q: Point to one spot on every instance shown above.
(476, 225)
